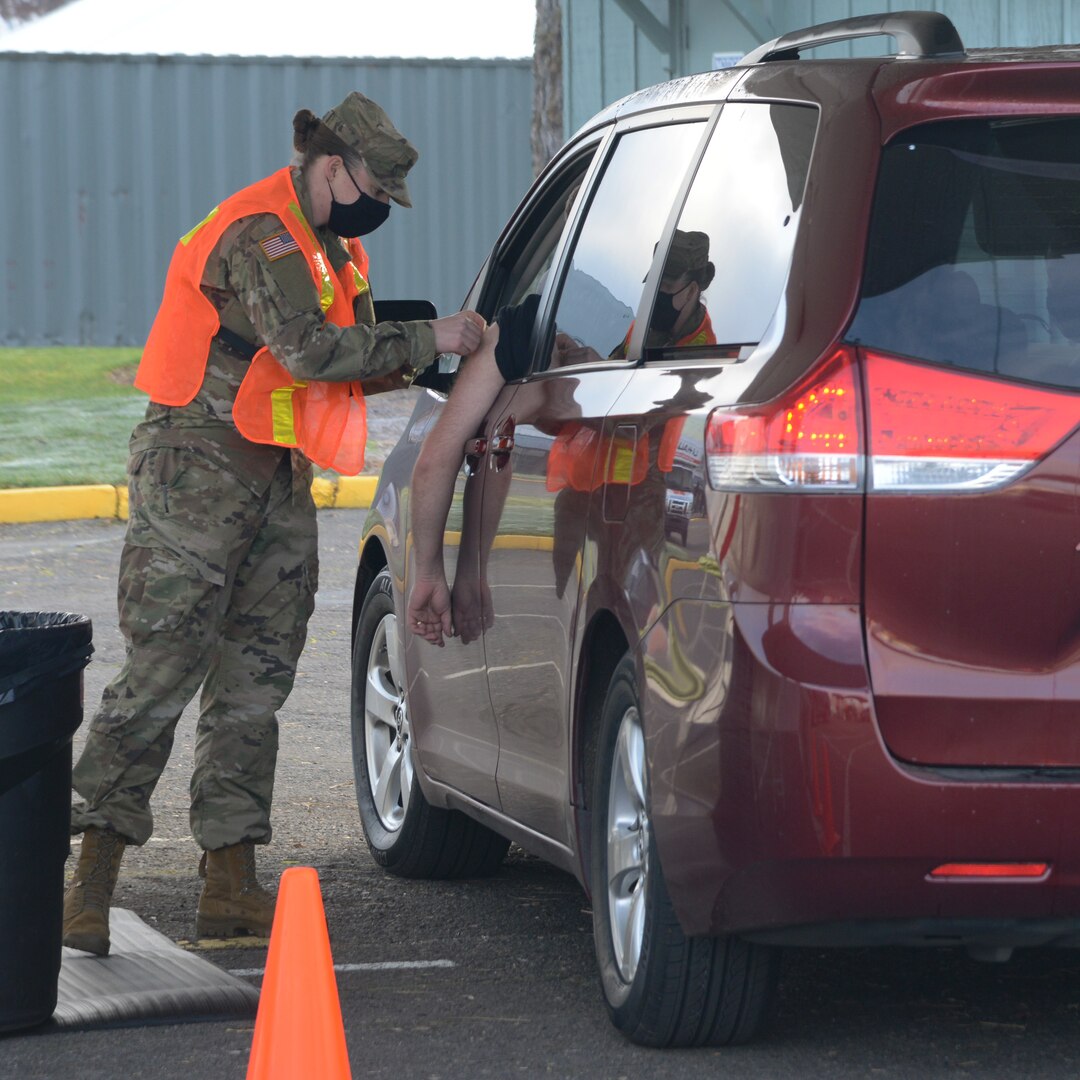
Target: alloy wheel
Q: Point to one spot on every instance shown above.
(386, 728)
(627, 845)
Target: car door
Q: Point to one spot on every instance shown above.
(549, 457)
(454, 733)
(450, 706)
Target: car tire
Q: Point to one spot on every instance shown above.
(662, 987)
(406, 834)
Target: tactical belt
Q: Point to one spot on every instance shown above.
(235, 344)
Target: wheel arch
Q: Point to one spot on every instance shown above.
(603, 645)
(373, 560)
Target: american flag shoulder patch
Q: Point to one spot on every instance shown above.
(277, 247)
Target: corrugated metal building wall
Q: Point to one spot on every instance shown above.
(617, 46)
(106, 161)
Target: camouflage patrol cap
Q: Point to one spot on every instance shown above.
(689, 252)
(387, 154)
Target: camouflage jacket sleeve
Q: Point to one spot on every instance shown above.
(278, 295)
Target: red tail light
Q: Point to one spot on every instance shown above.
(938, 429)
(990, 870)
(929, 429)
(806, 440)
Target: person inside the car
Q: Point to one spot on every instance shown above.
(483, 374)
(501, 357)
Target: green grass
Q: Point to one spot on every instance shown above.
(66, 415)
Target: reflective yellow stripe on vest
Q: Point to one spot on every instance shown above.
(326, 292)
(326, 289)
(188, 236)
(281, 411)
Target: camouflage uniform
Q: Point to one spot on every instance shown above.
(220, 561)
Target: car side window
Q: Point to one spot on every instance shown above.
(523, 271)
(530, 271)
(603, 283)
(728, 261)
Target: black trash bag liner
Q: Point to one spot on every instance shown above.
(42, 655)
(37, 646)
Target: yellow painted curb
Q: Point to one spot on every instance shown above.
(344, 492)
(19, 505)
(61, 503)
(323, 492)
(356, 491)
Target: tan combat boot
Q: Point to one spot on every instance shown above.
(86, 903)
(232, 901)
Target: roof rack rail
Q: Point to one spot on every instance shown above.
(919, 35)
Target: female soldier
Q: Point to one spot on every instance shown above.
(255, 366)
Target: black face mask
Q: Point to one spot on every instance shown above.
(664, 313)
(357, 218)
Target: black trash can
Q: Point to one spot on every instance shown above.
(42, 656)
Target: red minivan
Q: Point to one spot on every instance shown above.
(773, 604)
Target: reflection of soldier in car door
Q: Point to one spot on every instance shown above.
(582, 460)
(679, 317)
(578, 462)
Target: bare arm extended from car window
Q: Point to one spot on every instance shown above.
(433, 485)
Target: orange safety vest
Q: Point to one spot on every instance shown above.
(326, 420)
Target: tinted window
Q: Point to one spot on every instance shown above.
(530, 263)
(745, 202)
(615, 247)
(974, 252)
(522, 270)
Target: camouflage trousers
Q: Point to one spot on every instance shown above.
(217, 584)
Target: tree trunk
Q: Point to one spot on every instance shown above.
(547, 121)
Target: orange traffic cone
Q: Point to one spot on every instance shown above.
(298, 1029)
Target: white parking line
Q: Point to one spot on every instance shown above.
(381, 965)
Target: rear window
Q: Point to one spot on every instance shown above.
(974, 249)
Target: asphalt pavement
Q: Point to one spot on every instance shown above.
(506, 984)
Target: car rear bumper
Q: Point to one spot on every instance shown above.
(986, 939)
(778, 811)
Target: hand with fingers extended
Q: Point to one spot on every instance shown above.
(429, 609)
(460, 333)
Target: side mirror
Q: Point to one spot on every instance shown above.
(416, 311)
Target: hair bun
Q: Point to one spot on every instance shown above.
(305, 124)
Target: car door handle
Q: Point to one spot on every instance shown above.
(499, 447)
(499, 444)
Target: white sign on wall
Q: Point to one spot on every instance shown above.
(721, 60)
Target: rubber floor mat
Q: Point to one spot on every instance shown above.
(146, 978)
